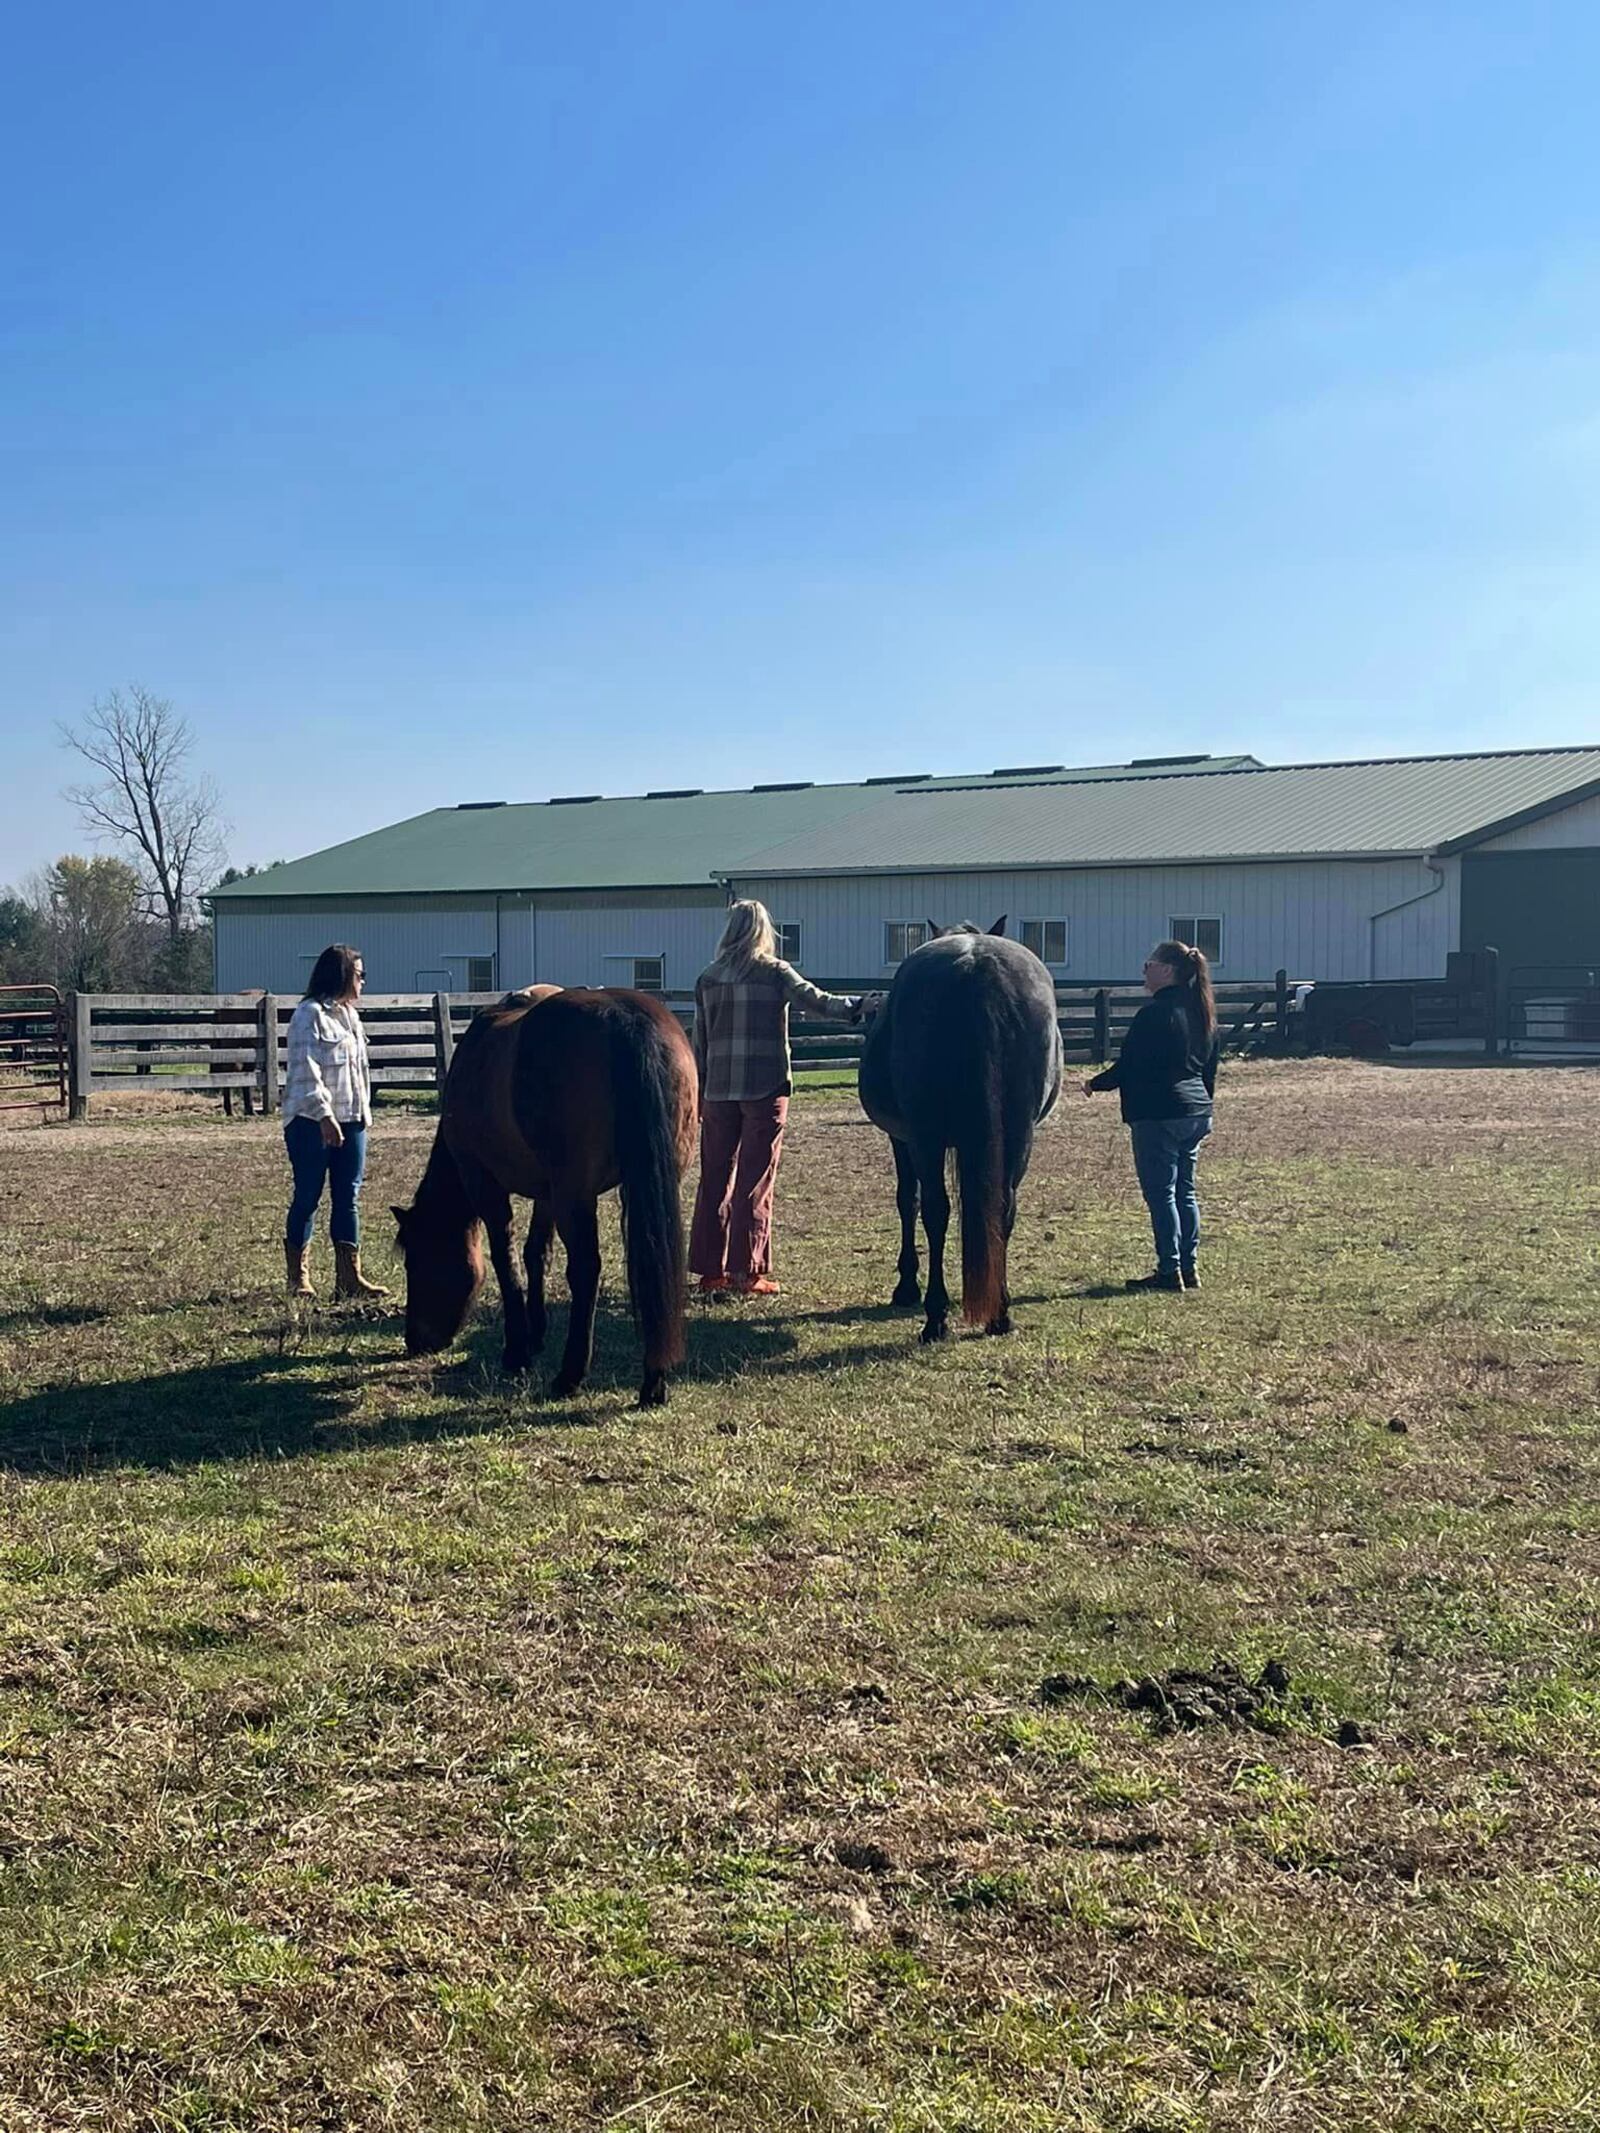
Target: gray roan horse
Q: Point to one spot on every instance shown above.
(965, 1054)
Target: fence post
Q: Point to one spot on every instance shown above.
(1281, 983)
(78, 1057)
(1102, 1024)
(1491, 1001)
(444, 1037)
(269, 1053)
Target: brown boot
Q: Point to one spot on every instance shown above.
(348, 1280)
(296, 1259)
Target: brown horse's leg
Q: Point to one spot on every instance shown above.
(499, 1224)
(536, 1258)
(580, 1233)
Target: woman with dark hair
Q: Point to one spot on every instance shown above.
(1166, 1073)
(327, 1108)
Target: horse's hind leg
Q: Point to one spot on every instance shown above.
(935, 1222)
(907, 1293)
(580, 1233)
(1001, 1322)
(536, 1258)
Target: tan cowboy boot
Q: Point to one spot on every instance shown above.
(297, 1258)
(349, 1281)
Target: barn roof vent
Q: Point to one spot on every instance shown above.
(1028, 770)
(467, 807)
(1165, 762)
(676, 792)
(573, 799)
(792, 785)
(911, 777)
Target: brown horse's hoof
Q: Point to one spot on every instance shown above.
(653, 1392)
(515, 1366)
(908, 1297)
(1002, 1324)
(563, 1386)
(937, 1329)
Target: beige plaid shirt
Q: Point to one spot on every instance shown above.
(741, 1028)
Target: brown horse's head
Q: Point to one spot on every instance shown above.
(444, 1271)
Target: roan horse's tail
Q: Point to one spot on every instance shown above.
(645, 1106)
(981, 1173)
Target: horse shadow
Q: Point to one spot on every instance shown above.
(310, 1402)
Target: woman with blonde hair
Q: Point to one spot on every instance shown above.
(1166, 1073)
(741, 1046)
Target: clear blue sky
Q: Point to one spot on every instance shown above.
(484, 400)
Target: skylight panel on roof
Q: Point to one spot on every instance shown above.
(790, 785)
(1028, 770)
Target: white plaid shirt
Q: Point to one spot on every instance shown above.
(328, 1073)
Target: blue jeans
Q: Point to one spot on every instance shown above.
(312, 1161)
(1164, 1152)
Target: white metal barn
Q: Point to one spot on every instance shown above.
(1353, 871)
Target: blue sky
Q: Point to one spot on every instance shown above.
(466, 401)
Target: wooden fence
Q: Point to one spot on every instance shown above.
(232, 1044)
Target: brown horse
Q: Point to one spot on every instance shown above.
(557, 1097)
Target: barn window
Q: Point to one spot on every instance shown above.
(901, 936)
(480, 973)
(649, 973)
(1047, 937)
(789, 941)
(1202, 933)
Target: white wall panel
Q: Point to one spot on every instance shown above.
(1315, 918)
(1577, 825)
(409, 950)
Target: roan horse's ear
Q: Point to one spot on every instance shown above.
(999, 925)
(935, 933)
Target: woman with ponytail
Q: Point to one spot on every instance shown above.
(1166, 1073)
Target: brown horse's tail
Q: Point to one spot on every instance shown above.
(981, 1172)
(644, 1075)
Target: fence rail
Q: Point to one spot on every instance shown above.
(228, 1044)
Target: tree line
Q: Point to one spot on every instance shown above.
(132, 917)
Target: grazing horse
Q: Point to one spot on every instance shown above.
(965, 1054)
(557, 1097)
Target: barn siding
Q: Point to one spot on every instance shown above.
(1579, 825)
(1317, 919)
(414, 944)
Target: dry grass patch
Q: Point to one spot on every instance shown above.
(384, 1747)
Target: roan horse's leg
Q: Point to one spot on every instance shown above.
(935, 1221)
(907, 1293)
(536, 1258)
(580, 1233)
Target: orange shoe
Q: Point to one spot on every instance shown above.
(714, 1284)
(757, 1285)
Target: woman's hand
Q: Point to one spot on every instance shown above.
(332, 1133)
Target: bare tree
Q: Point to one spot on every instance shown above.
(143, 800)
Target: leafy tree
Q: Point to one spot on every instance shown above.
(24, 948)
(91, 910)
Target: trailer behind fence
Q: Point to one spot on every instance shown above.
(228, 1044)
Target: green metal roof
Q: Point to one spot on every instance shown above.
(1336, 810)
(664, 840)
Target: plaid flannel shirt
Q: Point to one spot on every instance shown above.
(741, 1028)
(328, 1073)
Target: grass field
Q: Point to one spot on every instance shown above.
(384, 1747)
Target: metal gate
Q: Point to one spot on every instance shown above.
(33, 1048)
